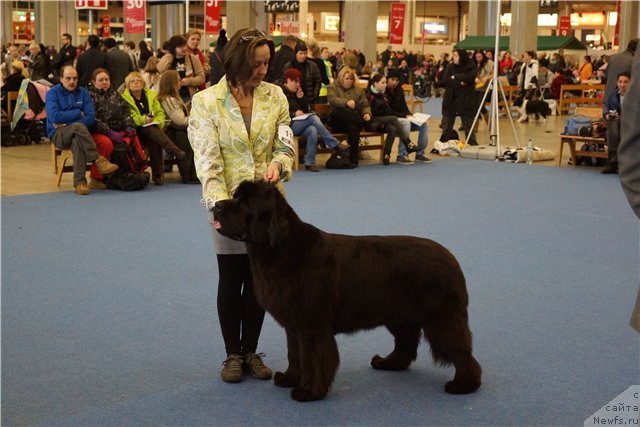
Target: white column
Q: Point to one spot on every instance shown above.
(629, 23)
(359, 26)
(477, 18)
(524, 26)
(240, 14)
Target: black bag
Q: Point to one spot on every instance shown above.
(591, 161)
(448, 135)
(586, 131)
(339, 160)
(126, 178)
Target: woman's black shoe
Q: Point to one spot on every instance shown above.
(385, 159)
(411, 147)
(311, 168)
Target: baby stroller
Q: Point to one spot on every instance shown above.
(28, 124)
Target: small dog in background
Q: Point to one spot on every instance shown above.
(534, 110)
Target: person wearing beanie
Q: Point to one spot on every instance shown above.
(398, 104)
(311, 80)
(384, 119)
(215, 59)
(306, 124)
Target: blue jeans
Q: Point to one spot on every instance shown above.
(310, 128)
(423, 137)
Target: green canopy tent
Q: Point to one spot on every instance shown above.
(544, 43)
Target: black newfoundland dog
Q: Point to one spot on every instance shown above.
(317, 284)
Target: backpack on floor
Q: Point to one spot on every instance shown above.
(591, 161)
(131, 163)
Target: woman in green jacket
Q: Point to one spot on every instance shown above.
(150, 119)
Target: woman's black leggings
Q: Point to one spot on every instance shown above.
(239, 313)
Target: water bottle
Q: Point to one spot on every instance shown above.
(530, 152)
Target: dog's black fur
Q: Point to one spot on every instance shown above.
(536, 109)
(317, 284)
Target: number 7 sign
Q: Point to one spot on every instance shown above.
(397, 23)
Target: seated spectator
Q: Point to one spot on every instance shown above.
(506, 63)
(586, 69)
(17, 74)
(559, 79)
(367, 72)
(40, 67)
(187, 65)
(178, 113)
(149, 117)
(112, 123)
(151, 75)
(612, 112)
(384, 119)
(70, 114)
(398, 104)
(311, 80)
(144, 55)
(310, 127)
(349, 109)
(404, 72)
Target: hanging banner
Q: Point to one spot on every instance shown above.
(212, 16)
(27, 27)
(564, 25)
(616, 34)
(91, 4)
(135, 19)
(106, 26)
(396, 29)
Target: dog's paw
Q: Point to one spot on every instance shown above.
(461, 387)
(303, 395)
(389, 363)
(282, 380)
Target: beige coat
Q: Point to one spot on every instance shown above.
(194, 70)
(225, 155)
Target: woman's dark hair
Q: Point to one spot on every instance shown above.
(532, 54)
(464, 57)
(484, 58)
(373, 80)
(175, 42)
(238, 55)
(222, 39)
(97, 71)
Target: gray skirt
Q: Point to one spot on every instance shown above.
(224, 245)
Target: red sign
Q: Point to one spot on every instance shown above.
(397, 23)
(27, 28)
(135, 20)
(565, 26)
(212, 16)
(616, 34)
(91, 4)
(106, 26)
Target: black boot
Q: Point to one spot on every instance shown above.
(611, 167)
(385, 159)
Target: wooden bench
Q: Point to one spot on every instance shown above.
(412, 102)
(322, 110)
(594, 113)
(590, 95)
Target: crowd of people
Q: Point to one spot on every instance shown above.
(361, 95)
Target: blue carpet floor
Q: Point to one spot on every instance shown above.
(109, 317)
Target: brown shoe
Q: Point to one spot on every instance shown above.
(256, 368)
(105, 167)
(96, 184)
(82, 189)
(232, 369)
(158, 179)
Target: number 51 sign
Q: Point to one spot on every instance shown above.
(396, 29)
(135, 19)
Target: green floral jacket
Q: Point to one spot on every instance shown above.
(225, 155)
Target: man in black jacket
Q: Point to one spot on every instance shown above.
(398, 104)
(118, 63)
(284, 55)
(66, 55)
(90, 60)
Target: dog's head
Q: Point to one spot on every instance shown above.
(257, 213)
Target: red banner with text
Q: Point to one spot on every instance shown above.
(91, 4)
(564, 25)
(397, 23)
(106, 26)
(212, 16)
(135, 19)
